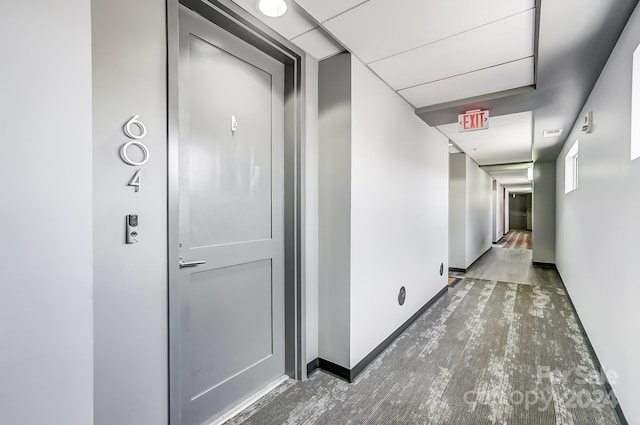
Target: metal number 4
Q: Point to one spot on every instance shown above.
(135, 180)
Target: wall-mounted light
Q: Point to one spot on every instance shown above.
(530, 174)
(272, 8)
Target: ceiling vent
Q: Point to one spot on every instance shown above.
(552, 133)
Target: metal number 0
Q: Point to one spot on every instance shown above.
(125, 156)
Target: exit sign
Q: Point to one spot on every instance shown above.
(473, 120)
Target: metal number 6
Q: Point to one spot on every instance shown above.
(129, 126)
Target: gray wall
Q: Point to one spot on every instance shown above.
(457, 210)
(544, 212)
(310, 175)
(334, 201)
(129, 62)
(46, 251)
(598, 227)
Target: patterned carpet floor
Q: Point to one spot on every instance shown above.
(487, 352)
(518, 239)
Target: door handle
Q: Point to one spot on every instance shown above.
(184, 264)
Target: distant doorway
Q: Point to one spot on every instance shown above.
(520, 212)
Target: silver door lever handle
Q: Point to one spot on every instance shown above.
(183, 263)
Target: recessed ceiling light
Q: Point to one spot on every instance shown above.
(552, 133)
(272, 8)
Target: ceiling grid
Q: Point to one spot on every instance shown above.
(515, 58)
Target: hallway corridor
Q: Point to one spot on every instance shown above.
(489, 351)
(511, 265)
(249, 212)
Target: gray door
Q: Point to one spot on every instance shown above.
(231, 212)
(518, 212)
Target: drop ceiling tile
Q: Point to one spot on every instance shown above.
(322, 10)
(497, 43)
(503, 77)
(508, 139)
(289, 25)
(318, 44)
(381, 28)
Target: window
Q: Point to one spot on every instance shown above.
(635, 105)
(571, 169)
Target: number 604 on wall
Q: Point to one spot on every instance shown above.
(135, 130)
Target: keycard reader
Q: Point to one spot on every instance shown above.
(132, 228)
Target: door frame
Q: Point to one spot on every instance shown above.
(243, 25)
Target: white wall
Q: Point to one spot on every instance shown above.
(383, 177)
(479, 212)
(457, 210)
(129, 58)
(310, 256)
(46, 250)
(399, 203)
(507, 209)
(598, 226)
(471, 211)
(498, 211)
(544, 212)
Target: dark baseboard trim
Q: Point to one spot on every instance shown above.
(458, 270)
(479, 258)
(334, 369)
(607, 385)
(455, 269)
(545, 265)
(387, 342)
(350, 375)
(313, 365)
